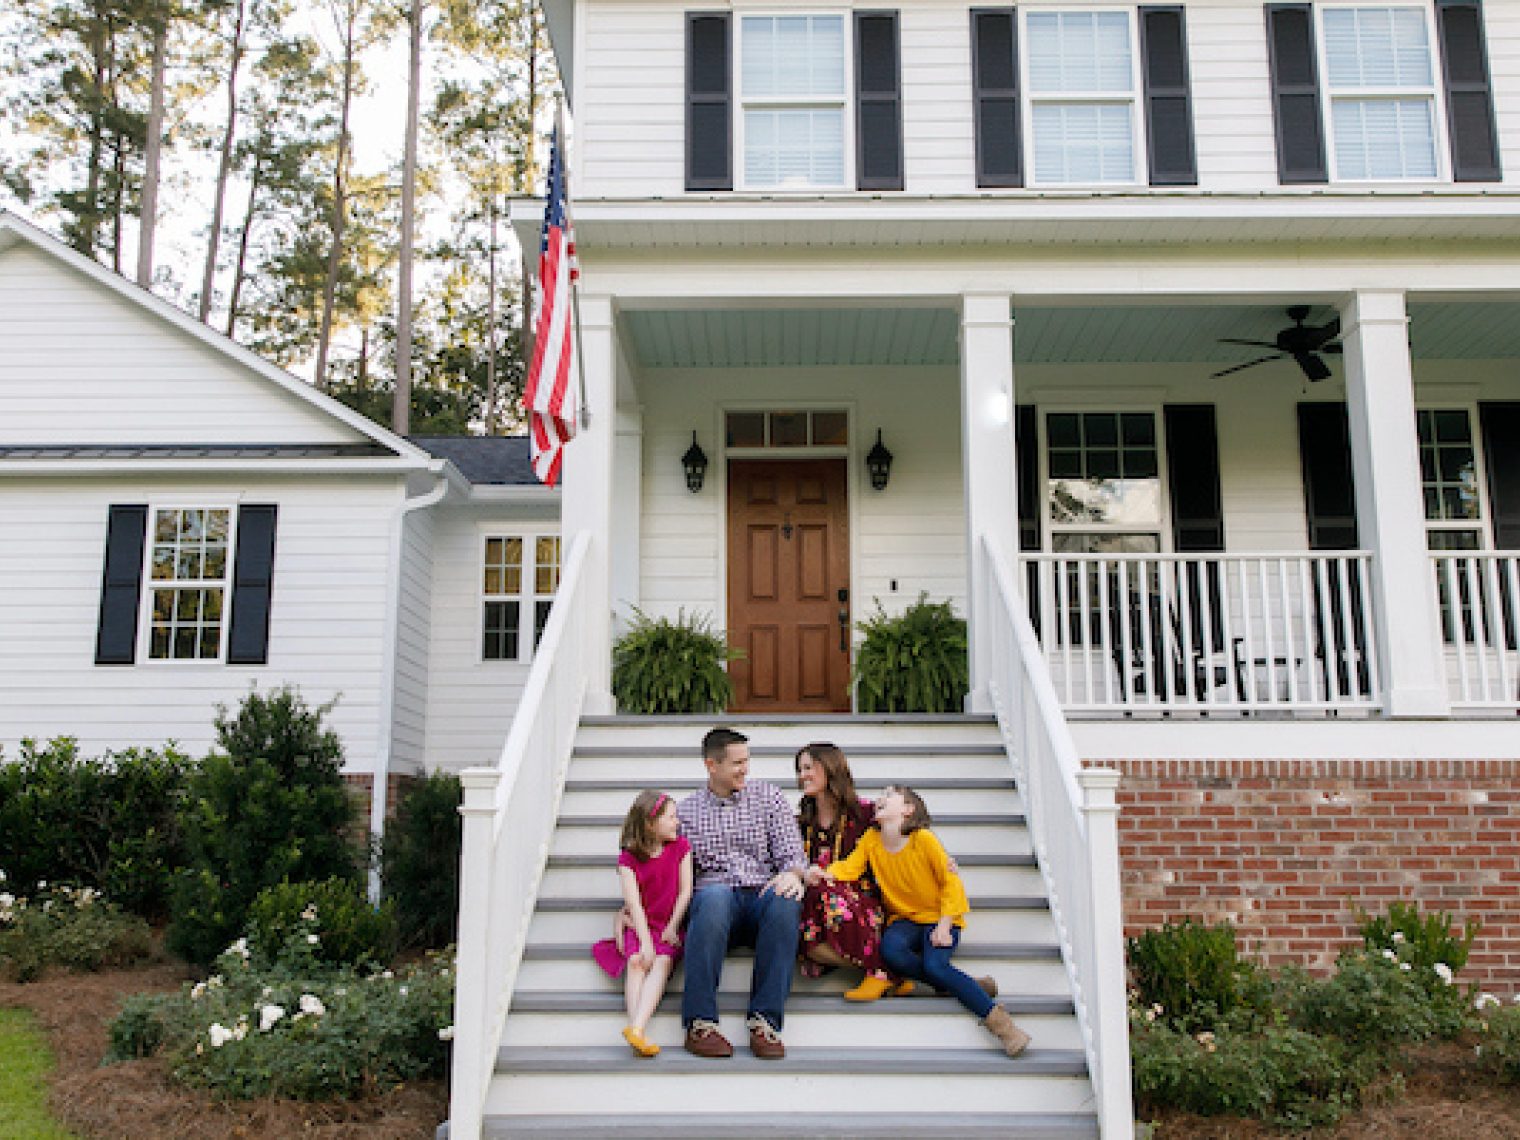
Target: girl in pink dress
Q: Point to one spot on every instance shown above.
(655, 869)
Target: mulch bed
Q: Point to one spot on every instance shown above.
(138, 1101)
(1445, 1098)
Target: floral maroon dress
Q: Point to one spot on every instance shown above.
(845, 916)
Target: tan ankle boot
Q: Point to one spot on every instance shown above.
(1000, 1023)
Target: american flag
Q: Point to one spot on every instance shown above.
(548, 395)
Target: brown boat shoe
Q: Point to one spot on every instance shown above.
(764, 1041)
(704, 1040)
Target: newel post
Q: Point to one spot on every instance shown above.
(1107, 1003)
(467, 1090)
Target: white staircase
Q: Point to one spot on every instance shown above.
(899, 1067)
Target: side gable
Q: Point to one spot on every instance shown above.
(90, 358)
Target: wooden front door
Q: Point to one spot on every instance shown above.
(788, 585)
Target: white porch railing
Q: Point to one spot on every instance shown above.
(1073, 821)
(1215, 631)
(1479, 596)
(509, 813)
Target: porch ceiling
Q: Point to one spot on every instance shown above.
(1115, 334)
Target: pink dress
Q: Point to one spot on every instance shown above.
(659, 880)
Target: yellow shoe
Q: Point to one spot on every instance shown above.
(871, 988)
(638, 1043)
(903, 988)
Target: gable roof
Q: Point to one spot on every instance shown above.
(375, 440)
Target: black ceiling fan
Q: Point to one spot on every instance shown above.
(1300, 341)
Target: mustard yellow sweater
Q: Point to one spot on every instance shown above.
(916, 882)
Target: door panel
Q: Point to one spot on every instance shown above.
(788, 558)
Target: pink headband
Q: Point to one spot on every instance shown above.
(658, 804)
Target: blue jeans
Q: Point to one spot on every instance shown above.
(723, 917)
(907, 951)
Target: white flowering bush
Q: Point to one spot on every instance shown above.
(1433, 950)
(70, 927)
(333, 915)
(295, 1026)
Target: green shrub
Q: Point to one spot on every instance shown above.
(350, 931)
(107, 823)
(1194, 978)
(663, 666)
(1276, 1072)
(68, 927)
(1499, 1049)
(269, 807)
(913, 663)
(295, 1028)
(420, 861)
(1370, 1002)
(1435, 952)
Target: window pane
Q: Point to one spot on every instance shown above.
(1077, 543)
(1065, 464)
(1083, 143)
(1376, 47)
(503, 565)
(1103, 463)
(830, 428)
(166, 526)
(789, 429)
(794, 147)
(1140, 463)
(500, 631)
(745, 429)
(793, 56)
(1138, 427)
(540, 619)
(1079, 51)
(163, 562)
(1384, 138)
(184, 643)
(1126, 502)
(1453, 540)
(217, 524)
(211, 637)
(1452, 427)
(1062, 430)
(187, 607)
(158, 646)
(546, 565)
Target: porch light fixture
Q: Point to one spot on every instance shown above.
(695, 464)
(879, 464)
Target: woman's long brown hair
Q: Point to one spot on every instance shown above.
(840, 783)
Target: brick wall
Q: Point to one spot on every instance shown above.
(1286, 850)
(397, 784)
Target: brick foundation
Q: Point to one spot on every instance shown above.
(360, 784)
(1286, 850)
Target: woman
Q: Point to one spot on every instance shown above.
(841, 922)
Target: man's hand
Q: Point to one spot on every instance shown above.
(940, 935)
(787, 884)
(815, 875)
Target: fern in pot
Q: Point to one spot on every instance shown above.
(660, 666)
(913, 663)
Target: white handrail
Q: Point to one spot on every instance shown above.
(1072, 819)
(509, 812)
(1479, 595)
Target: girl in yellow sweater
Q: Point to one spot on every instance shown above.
(926, 905)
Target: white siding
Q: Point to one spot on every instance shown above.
(326, 632)
(81, 364)
(413, 622)
(470, 702)
(630, 109)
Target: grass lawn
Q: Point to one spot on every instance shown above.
(24, 1063)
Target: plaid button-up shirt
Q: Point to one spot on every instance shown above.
(745, 840)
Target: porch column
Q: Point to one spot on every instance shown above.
(586, 500)
(628, 466)
(1390, 512)
(989, 473)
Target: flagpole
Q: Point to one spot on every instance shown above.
(575, 289)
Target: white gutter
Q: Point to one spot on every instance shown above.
(379, 789)
(157, 466)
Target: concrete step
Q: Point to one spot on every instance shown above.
(657, 767)
(835, 1122)
(573, 874)
(998, 918)
(790, 732)
(549, 1079)
(952, 795)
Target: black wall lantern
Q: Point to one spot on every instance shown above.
(695, 463)
(879, 464)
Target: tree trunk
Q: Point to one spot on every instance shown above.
(491, 321)
(224, 165)
(152, 151)
(401, 407)
(255, 185)
(89, 221)
(339, 205)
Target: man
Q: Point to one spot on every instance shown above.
(749, 862)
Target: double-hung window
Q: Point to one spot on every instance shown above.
(1083, 120)
(1103, 482)
(520, 576)
(1449, 477)
(1381, 85)
(188, 569)
(793, 101)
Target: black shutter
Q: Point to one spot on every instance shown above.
(1501, 455)
(1192, 462)
(252, 579)
(1324, 445)
(1295, 94)
(1168, 103)
(995, 97)
(709, 86)
(878, 102)
(1469, 99)
(1026, 447)
(121, 585)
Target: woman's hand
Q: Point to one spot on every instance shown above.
(671, 935)
(646, 954)
(815, 875)
(620, 922)
(940, 935)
